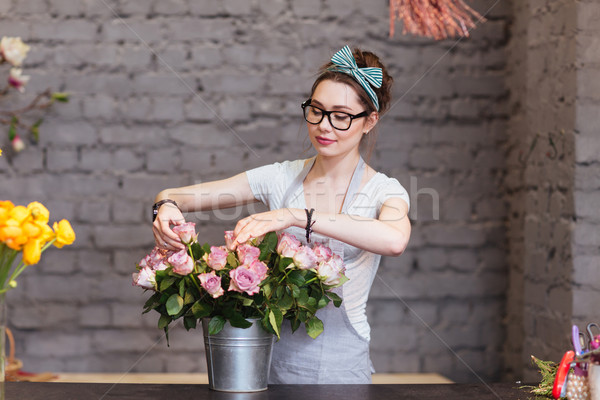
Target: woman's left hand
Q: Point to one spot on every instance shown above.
(259, 224)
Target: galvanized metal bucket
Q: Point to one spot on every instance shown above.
(238, 360)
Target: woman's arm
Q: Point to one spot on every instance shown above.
(388, 235)
(224, 193)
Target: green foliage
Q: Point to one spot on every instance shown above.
(548, 371)
(287, 293)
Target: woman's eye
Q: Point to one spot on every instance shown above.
(315, 111)
(340, 117)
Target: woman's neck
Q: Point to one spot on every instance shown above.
(335, 168)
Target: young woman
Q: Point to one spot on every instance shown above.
(359, 213)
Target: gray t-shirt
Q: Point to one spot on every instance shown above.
(270, 183)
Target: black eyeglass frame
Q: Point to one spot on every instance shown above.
(328, 114)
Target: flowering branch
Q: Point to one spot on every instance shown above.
(13, 51)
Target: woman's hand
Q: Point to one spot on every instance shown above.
(257, 225)
(168, 214)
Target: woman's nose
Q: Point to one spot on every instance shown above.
(325, 124)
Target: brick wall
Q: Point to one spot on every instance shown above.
(553, 227)
(179, 92)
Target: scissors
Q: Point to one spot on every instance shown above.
(594, 339)
(580, 346)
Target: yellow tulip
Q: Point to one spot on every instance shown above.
(64, 233)
(18, 214)
(5, 207)
(31, 230)
(32, 252)
(38, 211)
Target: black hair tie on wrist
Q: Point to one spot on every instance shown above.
(309, 224)
(157, 205)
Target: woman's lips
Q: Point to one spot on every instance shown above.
(324, 141)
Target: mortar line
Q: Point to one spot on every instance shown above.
(437, 62)
(180, 78)
(438, 336)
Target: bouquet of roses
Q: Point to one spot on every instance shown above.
(270, 279)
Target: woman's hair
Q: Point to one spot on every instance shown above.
(363, 59)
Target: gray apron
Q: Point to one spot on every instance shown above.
(339, 354)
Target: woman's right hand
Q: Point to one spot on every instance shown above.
(168, 214)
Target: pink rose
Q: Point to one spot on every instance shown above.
(13, 50)
(186, 232)
(229, 240)
(259, 267)
(247, 254)
(331, 272)
(156, 256)
(322, 252)
(182, 263)
(211, 283)
(244, 280)
(288, 245)
(305, 258)
(217, 259)
(145, 278)
(17, 80)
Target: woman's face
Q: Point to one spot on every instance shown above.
(337, 96)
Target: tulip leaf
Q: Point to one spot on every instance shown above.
(314, 327)
(337, 300)
(174, 304)
(216, 325)
(201, 310)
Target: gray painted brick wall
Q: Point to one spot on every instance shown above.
(172, 94)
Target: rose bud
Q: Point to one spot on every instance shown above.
(18, 144)
(247, 253)
(305, 258)
(181, 262)
(16, 80)
(332, 272)
(217, 259)
(13, 50)
(259, 267)
(229, 239)
(145, 278)
(211, 283)
(186, 232)
(322, 252)
(288, 245)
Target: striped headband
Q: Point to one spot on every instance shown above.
(344, 62)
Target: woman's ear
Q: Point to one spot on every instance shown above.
(372, 120)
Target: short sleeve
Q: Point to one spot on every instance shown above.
(263, 181)
(390, 188)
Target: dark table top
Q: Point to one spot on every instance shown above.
(107, 391)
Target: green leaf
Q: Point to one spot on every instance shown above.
(267, 246)
(197, 251)
(296, 277)
(295, 291)
(323, 301)
(189, 298)
(303, 297)
(295, 325)
(12, 129)
(276, 319)
(236, 320)
(167, 282)
(174, 304)
(189, 323)
(314, 327)
(284, 262)
(164, 321)
(232, 260)
(311, 305)
(182, 288)
(215, 325)
(266, 289)
(206, 248)
(285, 302)
(201, 310)
(337, 300)
(35, 129)
(152, 302)
(60, 97)
(248, 302)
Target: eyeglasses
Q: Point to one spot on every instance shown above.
(338, 119)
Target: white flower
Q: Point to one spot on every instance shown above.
(13, 50)
(16, 80)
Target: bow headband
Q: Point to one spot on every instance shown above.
(344, 62)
